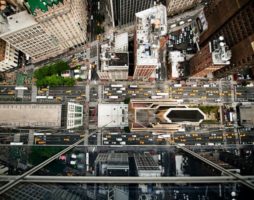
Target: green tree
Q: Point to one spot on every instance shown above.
(99, 30)
(127, 100)
(127, 129)
(69, 81)
(39, 154)
(60, 67)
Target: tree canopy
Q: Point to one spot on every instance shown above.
(50, 75)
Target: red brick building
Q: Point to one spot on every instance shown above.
(233, 19)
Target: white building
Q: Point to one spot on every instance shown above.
(175, 58)
(114, 58)
(112, 115)
(151, 25)
(74, 115)
(9, 57)
(66, 21)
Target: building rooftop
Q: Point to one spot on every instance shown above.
(113, 115)
(119, 59)
(145, 162)
(121, 42)
(163, 115)
(30, 115)
(176, 57)
(151, 24)
(246, 112)
(18, 21)
(102, 157)
(114, 160)
(114, 53)
(42, 5)
(221, 54)
(117, 160)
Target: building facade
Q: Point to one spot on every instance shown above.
(8, 56)
(212, 57)
(232, 19)
(65, 20)
(179, 6)
(28, 36)
(52, 28)
(150, 27)
(239, 35)
(74, 115)
(122, 12)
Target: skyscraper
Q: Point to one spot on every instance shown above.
(150, 27)
(51, 29)
(234, 20)
(122, 12)
(212, 57)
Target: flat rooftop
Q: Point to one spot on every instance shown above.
(112, 115)
(120, 59)
(30, 115)
(247, 115)
(150, 25)
(118, 160)
(145, 162)
(121, 42)
(19, 21)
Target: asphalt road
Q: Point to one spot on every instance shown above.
(190, 94)
(209, 137)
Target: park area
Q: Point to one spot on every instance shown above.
(50, 75)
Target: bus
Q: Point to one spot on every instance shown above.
(41, 97)
(113, 97)
(162, 94)
(179, 100)
(16, 143)
(35, 133)
(177, 85)
(116, 86)
(133, 86)
(21, 88)
(156, 97)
